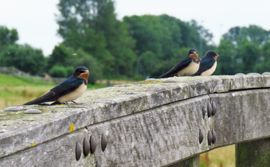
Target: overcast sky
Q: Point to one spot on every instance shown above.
(35, 19)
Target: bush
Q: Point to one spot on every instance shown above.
(63, 57)
(60, 71)
(24, 58)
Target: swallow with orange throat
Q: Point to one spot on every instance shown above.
(208, 64)
(69, 90)
(186, 67)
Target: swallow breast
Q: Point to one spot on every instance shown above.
(210, 71)
(74, 94)
(192, 68)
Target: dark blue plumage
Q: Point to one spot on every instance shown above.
(208, 64)
(183, 67)
(69, 86)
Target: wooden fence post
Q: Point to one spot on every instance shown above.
(253, 154)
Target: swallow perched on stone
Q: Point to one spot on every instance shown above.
(187, 67)
(208, 64)
(69, 90)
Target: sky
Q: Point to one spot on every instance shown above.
(35, 20)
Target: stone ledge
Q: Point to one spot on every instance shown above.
(162, 135)
(19, 131)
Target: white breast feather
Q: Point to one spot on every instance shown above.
(192, 68)
(210, 71)
(73, 95)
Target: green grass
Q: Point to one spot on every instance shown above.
(220, 157)
(7, 80)
(17, 90)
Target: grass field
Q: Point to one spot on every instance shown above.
(220, 157)
(18, 90)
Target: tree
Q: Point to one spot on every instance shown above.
(91, 25)
(63, 56)
(7, 36)
(147, 63)
(228, 62)
(161, 38)
(25, 58)
(263, 64)
(253, 33)
(242, 50)
(63, 60)
(60, 71)
(202, 34)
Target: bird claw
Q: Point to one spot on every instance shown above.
(76, 102)
(65, 103)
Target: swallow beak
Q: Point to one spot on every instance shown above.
(216, 57)
(197, 58)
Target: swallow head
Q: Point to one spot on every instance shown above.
(82, 72)
(192, 53)
(212, 54)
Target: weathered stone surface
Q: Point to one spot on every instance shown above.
(241, 116)
(13, 109)
(150, 123)
(266, 73)
(58, 152)
(32, 111)
(170, 133)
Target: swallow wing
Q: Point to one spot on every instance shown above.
(181, 65)
(47, 97)
(62, 89)
(206, 63)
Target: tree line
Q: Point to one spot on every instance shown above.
(135, 47)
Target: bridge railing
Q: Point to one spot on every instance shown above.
(166, 122)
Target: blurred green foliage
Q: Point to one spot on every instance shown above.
(7, 36)
(59, 71)
(243, 50)
(162, 41)
(135, 47)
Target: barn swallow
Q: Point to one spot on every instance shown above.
(69, 90)
(208, 64)
(187, 67)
